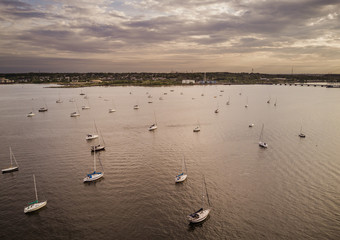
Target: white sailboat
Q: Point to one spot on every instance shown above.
(228, 102)
(153, 126)
(86, 106)
(261, 142)
(136, 106)
(31, 114)
(268, 100)
(246, 103)
(34, 206)
(90, 136)
(59, 100)
(12, 168)
(100, 146)
(217, 110)
(111, 110)
(251, 125)
(76, 113)
(275, 102)
(94, 175)
(201, 214)
(183, 175)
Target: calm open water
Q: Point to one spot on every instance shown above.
(289, 191)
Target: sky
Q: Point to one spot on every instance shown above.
(265, 36)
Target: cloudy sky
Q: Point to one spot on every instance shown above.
(170, 35)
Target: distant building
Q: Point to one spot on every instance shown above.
(96, 81)
(5, 80)
(187, 81)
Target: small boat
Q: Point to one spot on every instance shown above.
(111, 110)
(85, 107)
(246, 103)
(149, 96)
(31, 114)
(275, 102)
(36, 205)
(221, 90)
(136, 106)
(171, 90)
(201, 214)
(59, 100)
(94, 175)
(216, 111)
(268, 101)
(43, 109)
(183, 175)
(81, 93)
(91, 136)
(150, 102)
(12, 168)
(197, 129)
(97, 148)
(262, 144)
(181, 93)
(160, 98)
(71, 100)
(101, 144)
(153, 126)
(228, 102)
(301, 135)
(76, 113)
(251, 125)
(202, 94)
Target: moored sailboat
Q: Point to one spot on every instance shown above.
(201, 214)
(94, 175)
(11, 168)
(183, 175)
(261, 142)
(36, 205)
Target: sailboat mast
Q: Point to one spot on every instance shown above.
(203, 193)
(94, 160)
(35, 188)
(185, 165)
(10, 155)
(206, 191)
(261, 132)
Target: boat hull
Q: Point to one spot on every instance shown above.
(96, 148)
(10, 169)
(263, 144)
(152, 128)
(200, 216)
(92, 137)
(181, 178)
(94, 177)
(34, 207)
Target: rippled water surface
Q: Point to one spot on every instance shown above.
(288, 191)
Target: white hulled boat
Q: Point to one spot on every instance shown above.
(301, 135)
(261, 142)
(101, 144)
(201, 214)
(94, 175)
(31, 114)
(36, 205)
(183, 175)
(75, 114)
(11, 168)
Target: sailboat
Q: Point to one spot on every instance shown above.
(85, 107)
(111, 110)
(197, 129)
(12, 168)
(228, 102)
(246, 103)
(59, 100)
(95, 175)
(251, 125)
(99, 147)
(268, 101)
(136, 106)
(183, 175)
(43, 109)
(33, 206)
(75, 114)
(301, 135)
(31, 114)
(90, 136)
(275, 102)
(153, 126)
(261, 143)
(81, 92)
(202, 213)
(216, 111)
